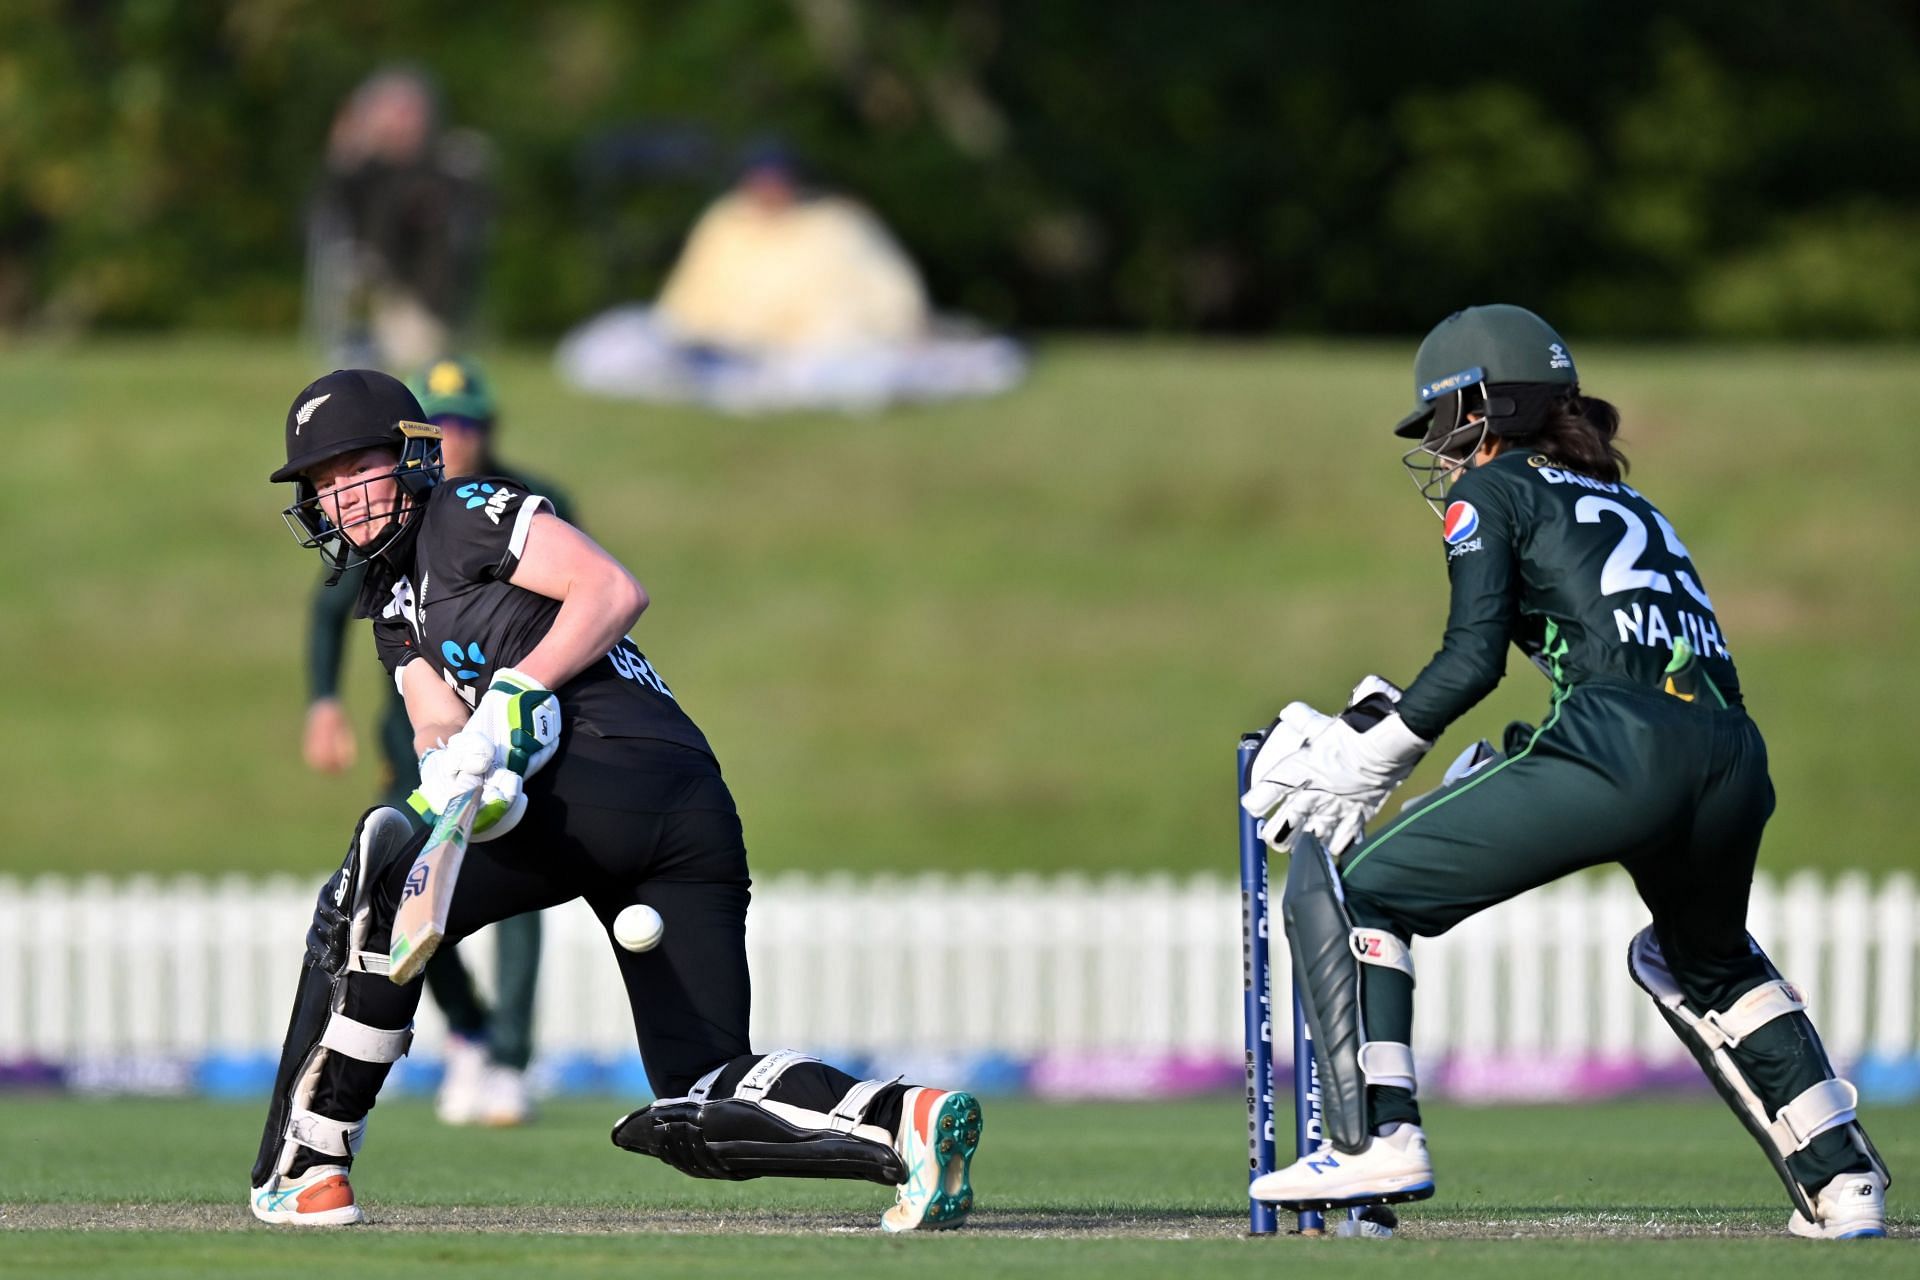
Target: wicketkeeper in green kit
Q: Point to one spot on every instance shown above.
(1645, 757)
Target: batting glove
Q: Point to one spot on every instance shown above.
(465, 762)
(521, 718)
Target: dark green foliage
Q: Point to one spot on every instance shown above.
(1651, 170)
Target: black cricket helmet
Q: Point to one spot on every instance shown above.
(1501, 362)
(344, 412)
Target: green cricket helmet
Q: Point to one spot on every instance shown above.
(347, 411)
(455, 387)
(1501, 362)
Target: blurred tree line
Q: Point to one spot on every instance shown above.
(1687, 168)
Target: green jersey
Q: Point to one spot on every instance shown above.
(1587, 577)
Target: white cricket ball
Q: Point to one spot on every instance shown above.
(638, 928)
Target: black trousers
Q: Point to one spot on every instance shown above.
(613, 821)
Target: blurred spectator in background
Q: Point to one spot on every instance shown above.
(488, 1050)
(773, 266)
(397, 233)
(786, 297)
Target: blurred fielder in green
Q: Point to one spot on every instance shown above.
(488, 1052)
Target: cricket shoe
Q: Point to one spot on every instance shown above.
(320, 1197)
(506, 1101)
(463, 1089)
(1390, 1169)
(939, 1132)
(1852, 1206)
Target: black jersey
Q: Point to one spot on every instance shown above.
(1586, 577)
(454, 606)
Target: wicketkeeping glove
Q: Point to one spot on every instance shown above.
(521, 717)
(1329, 775)
(466, 761)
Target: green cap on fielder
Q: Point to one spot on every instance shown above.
(1485, 345)
(454, 386)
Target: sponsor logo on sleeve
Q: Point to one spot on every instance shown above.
(481, 494)
(1462, 522)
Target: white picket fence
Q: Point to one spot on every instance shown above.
(188, 967)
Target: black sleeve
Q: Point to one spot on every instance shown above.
(327, 617)
(393, 642)
(1483, 567)
(480, 528)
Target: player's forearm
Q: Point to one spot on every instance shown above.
(434, 709)
(598, 609)
(1470, 663)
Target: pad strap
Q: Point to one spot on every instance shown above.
(1388, 1062)
(326, 1135)
(852, 1109)
(1379, 946)
(753, 1086)
(368, 1044)
(1750, 1012)
(376, 962)
(703, 1086)
(1826, 1105)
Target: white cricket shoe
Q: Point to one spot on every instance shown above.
(504, 1101)
(1852, 1206)
(463, 1089)
(939, 1132)
(320, 1197)
(1388, 1170)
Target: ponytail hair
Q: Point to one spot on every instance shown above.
(1577, 433)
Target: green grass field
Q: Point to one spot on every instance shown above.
(1021, 633)
(157, 1189)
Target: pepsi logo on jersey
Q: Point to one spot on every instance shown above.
(1461, 522)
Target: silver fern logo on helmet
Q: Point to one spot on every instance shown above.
(306, 412)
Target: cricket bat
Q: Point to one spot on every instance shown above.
(421, 921)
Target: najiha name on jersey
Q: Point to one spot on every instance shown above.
(1637, 624)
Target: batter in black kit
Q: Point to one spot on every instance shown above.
(490, 612)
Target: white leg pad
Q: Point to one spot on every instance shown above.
(1383, 948)
(1388, 1062)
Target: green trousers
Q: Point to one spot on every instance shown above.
(1677, 792)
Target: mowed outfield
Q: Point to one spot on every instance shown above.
(1669, 1188)
(1019, 633)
